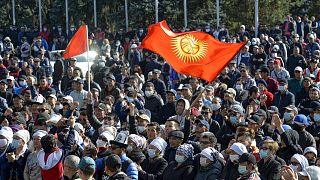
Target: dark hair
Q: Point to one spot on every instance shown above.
(154, 124)
(253, 89)
(48, 143)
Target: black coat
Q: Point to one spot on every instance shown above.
(167, 111)
(230, 171)
(119, 176)
(185, 171)
(269, 170)
(154, 104)
(152, 169)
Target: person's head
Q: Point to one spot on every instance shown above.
(17, 101)
(194, 82)
(230, 94)
(171, 96)
(247, 163)
(245, 136)
(36, 138)
(175, 138)
(20, 138)
(153, 130)
(70, 165)
(181, 105)
(184, 152)
(112, 164)
(311, 38)
(298, 163)
(207, 156)
(119, 145)
(244, 72)
(262, 85)
(236, 114)
(86, 167)
(283, 86)
(307, 81)
(156, 74)
(313, 63)
(314, 93)
(157, 147)
(298, 72)
(207, 139)
(6, 136)
(206, 111)
(171, 125)
(311, 154)
(265, 71)
(149, 90)
(187, 91)
(268, 148)
(236, 150)
(48, 143)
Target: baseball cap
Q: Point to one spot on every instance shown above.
(86, 162)
(203, 122)
(298, 68)
(247, 157)
(277, 61)
(237, 108)
(176, 133)
(301, 119)
(291, 108)
(273, 109)
(10, 78)
(52, 96)
(261, 112)
(143, 115)
(254, 119)
(157, 71)
(172, 91)
(111, 76)
(3, 81)
(101, 106)
(81, 81)
(231, 91)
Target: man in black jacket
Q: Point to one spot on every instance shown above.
(169, 109)
(113, 168)
(305, 138)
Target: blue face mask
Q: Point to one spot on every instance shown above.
(233, 120)
(15, 143)
(179, 158)
(287, 116)
(263, 153)
(242, 169)
(316, 117)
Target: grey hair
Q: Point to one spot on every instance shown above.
(72, 161)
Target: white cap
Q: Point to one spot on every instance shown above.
(232, 91)
(298, 68)
(275, 47)
(7, 133)
(107, 135)
(310, 150)
(23, 134)
(69, 98)
(210, 153)
(134, 46)
(78, 127)
(239, 148)
(10, 78)
(39, 99)
(39, 133)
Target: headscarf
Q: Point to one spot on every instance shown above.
(186, 149)
(302, 160)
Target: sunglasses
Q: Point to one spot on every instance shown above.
(205, 112)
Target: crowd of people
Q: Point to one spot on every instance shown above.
(131, 116)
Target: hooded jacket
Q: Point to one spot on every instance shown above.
(180, 118)
(290, 138)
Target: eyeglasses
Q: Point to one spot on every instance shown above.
(205, 112)
(42, 110)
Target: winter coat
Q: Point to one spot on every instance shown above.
(152, 168)
(185, 171)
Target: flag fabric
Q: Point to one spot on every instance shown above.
(78, 43)
(191, 53)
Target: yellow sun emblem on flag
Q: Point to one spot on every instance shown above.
(189, 49)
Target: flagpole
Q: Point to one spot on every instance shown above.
(88, 58)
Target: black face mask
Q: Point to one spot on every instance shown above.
(311, 162)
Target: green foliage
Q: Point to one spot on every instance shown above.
(111, 14)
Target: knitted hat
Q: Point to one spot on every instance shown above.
(160, 144)
(7, 133)
(186, 149)
(139, 141)
(23, 134)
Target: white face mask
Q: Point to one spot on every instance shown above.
(3, 142)
(239, 87)
(294, 168)
(316, 117)
(152, 153)
(49, 81)
(22, 83)
(101, 143)
(215, 106)
(15, 143)
(141, 129)
(234, 157)
(203, 162)
(129, 148)
(148, 93)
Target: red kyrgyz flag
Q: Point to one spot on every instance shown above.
(191, 53)
(78, 43)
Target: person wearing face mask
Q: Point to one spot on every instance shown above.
(247, 167)
(311, 154)
(305, 138)
(230, 171)
(268, 166)
(6, 146)
(228, 129)
(135, 143)
(153, 102)
(183, 166)
(315, 120)
(298, 163)
(216, 109)
(242, 94)
(210, 166)
(18, 158)
(103, 144)
(22, 83)
(154, 166)
(283, 98)
(32, 169)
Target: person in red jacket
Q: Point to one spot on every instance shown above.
(51, 156)
(262, 85)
